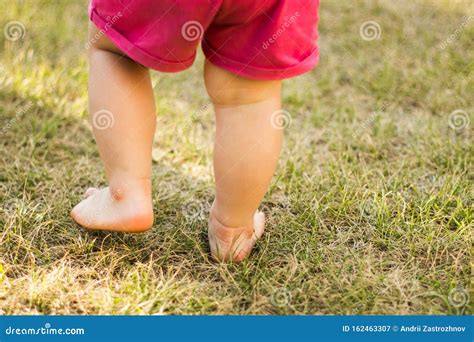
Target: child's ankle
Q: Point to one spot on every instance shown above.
(230, 221)
(130, 188)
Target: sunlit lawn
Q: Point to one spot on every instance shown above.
(370, 211)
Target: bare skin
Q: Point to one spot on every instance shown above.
(246, 150)
(123, 88)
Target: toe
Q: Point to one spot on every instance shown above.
(259, 224)
(89, 192)
(75, 213)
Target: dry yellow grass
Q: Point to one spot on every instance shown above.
(370, 211)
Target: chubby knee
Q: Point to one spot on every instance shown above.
(227, 89)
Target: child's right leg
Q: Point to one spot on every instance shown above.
(246, 152)
(123, 120)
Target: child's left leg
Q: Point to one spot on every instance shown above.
(246, 151)
(123, 119)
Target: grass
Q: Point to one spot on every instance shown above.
(370, 211)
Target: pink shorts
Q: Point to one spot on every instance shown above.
(258, 39)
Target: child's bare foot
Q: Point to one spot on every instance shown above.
(124, 212)
(234, 244)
